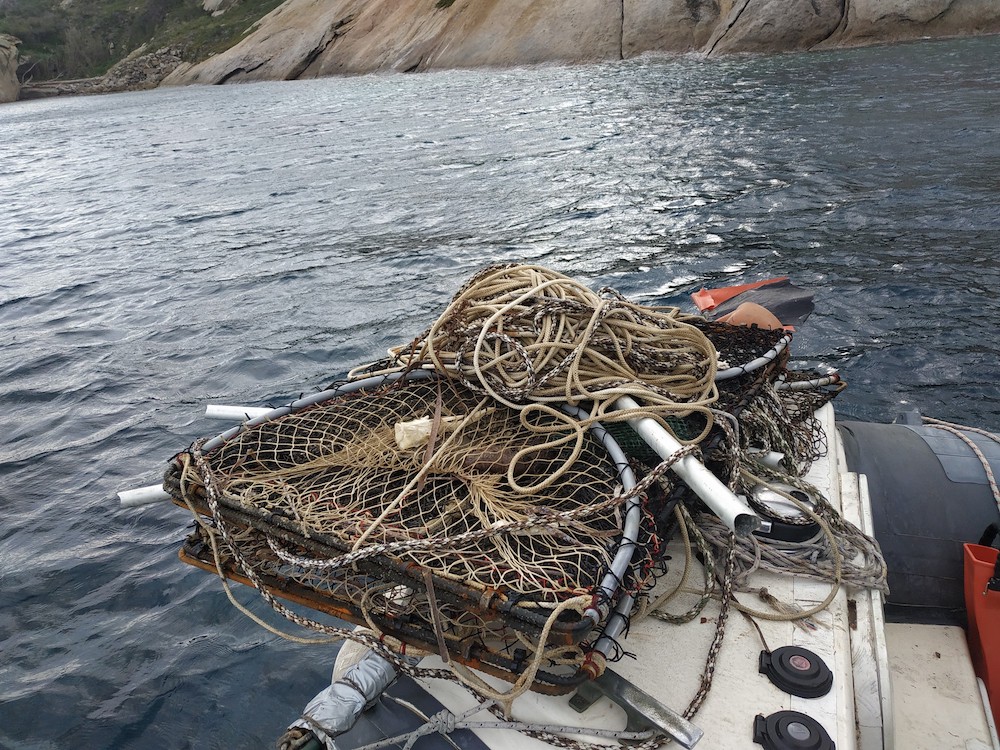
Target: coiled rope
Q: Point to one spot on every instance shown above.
(532, 339)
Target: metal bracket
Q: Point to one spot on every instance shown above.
(642, 710)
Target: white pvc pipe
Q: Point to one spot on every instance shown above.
(734, 513)
(238, 413)
(259, 415)
(154, 493)
(376, 381)
(771, 459)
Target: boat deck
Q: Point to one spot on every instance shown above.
(937, 704)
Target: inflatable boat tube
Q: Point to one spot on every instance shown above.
(929, 495)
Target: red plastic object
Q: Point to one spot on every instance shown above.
(983, 607)
(709, 299)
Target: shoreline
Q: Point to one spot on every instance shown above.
(165, 68)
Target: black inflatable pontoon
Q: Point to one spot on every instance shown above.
(929, 494)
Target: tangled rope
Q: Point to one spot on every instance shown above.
(508, 496)
(532, 338)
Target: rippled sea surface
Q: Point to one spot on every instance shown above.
(162, 250)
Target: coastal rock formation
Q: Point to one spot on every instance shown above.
(780, 25)
(775, 25)
(9, 86)
(140, 70)
(670, 26)
(875, 21)
(311, 38)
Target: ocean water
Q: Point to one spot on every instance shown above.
(168, 249)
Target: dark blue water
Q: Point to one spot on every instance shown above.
(162, 250)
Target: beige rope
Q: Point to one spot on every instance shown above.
(532, 338)
(958, 431)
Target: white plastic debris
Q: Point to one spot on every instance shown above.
(417, 432)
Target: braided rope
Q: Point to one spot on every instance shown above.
(445, 722)
(958, 431)
(720, 632)
(532, 339)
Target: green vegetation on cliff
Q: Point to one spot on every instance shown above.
(81, 38)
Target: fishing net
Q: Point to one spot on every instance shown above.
(477, 497)
(439, 472)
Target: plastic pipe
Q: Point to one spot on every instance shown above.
(239, 413)
(154, 493)
(735, 514)
(805, 385)
(615, 626)
(633, 514)
(375, 381)
(258, 415)
(771, 459)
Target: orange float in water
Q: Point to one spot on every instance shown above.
(752, 314)
(709, 299)
(783, 301)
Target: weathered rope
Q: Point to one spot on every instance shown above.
(958, 431)
(532, 339)
(708, 673)
(527, 340)
(445, 722)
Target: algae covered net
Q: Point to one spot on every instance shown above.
(478, 494)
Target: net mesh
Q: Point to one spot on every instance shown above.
(303, 491)
(465, 513)
(338, 472)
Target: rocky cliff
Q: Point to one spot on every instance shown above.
(140, 70)
(9, 86)
(311, 38)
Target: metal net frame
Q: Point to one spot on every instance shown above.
(431, 545)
